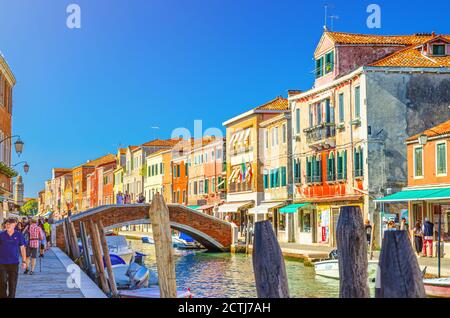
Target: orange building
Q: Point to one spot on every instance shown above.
(80, 196)
(180, 177)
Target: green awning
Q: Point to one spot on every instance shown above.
(194, 207)
(293, 208)
(417, 195)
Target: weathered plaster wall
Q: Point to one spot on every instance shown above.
(398, 106)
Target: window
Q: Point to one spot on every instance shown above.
(266, 181)
(359, 168)
(357, 102)
(439, 49)
(329, 62)
(341, 108)
(309, 173)
(161, 168)
(267, 138)
(178, 171)
(318, 169)
(195, 187)
(297, 171)
(184, 196)
(418, 162)
(275, 136)
(213, 185)
(201, 187)
(319, 67)
(441, 158)
(206, 186)
(283, 132)
(329, 112)
(318, 109)
(283, 177)
(342, 165)
(311, 115)
(331, 172)
(297, 121)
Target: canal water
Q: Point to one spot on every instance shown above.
(226, 275)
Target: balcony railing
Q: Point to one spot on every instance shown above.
(320, 132)
(239, 187)
(341, 176)
(313, 179)
(359, 173)
(331, 177)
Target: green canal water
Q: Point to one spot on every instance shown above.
(231, 275)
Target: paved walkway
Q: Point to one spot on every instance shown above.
(52, 280)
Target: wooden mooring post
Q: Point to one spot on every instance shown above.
(74, 238)
(159, 216)
(111, 278)
(66, 238)
(96, 250)
(86, 255)
(352, 250)
(399, 273)
(268, 263)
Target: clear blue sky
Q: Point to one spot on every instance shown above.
(135, 64)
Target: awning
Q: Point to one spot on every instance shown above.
(293, 208)
(417, 195)
(265, 207)
(193, 207)
(234, 207)
(205, 207)
(48, 214)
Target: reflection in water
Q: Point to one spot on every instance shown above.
(231, 275)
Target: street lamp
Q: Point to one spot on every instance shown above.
(26, 166)
(18, 145)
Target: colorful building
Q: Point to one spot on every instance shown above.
(119, 172)
(135, 165)
(428, 192)
(371, 92)
(82, 198)
(245, 187)
(154, 174)
(167, 175)
(180, 178)
(207, 174)
(7, 83)
(277, 173)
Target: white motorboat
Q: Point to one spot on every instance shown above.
(437, 287)
(118, 245)
(330, 269)
(151, 292)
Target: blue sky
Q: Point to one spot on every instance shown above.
(135, 64)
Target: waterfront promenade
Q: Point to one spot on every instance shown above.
(51, 282)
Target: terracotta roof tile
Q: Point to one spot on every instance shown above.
(439, 130)
(351, 38)
(278, 103)
(412, 57)
(99, 161)
(161, 143)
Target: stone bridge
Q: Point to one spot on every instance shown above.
(213, 233)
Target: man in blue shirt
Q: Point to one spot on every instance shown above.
(11, 242)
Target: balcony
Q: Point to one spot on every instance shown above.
(313, 179)
(239, 187)
(240, 150)
(321, 136)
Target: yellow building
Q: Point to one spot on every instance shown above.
(245, 186)
(119, 172)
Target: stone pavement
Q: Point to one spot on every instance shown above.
(51, 282)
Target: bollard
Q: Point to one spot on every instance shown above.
(352, 249)
(268, 263)
(399, 273)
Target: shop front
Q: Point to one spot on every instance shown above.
(416, 205)
(265, 211)
(236, 212)
(294, 223)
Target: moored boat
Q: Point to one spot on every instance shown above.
(330, 269)
(437, 287)
(151, 292)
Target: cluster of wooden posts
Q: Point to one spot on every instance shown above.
(159, 214)
(398, 273)
(100, 252)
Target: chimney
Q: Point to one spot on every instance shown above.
(293, 92)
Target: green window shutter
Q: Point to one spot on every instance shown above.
(206, 186)
(297, 120)
(265, 181)
(319, 67)
(345, 165)
(283, 177)
(361, 162)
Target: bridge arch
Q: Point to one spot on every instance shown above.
(213, 233)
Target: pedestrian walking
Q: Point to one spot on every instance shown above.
(119, 198)
(11, 243)
(127, 198)
(368, 230)
(418, 238)
(35, 236)
(141, 198)
(48, 233)
(428, 233)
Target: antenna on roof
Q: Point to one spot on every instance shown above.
(326, 6)
(332, 18)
